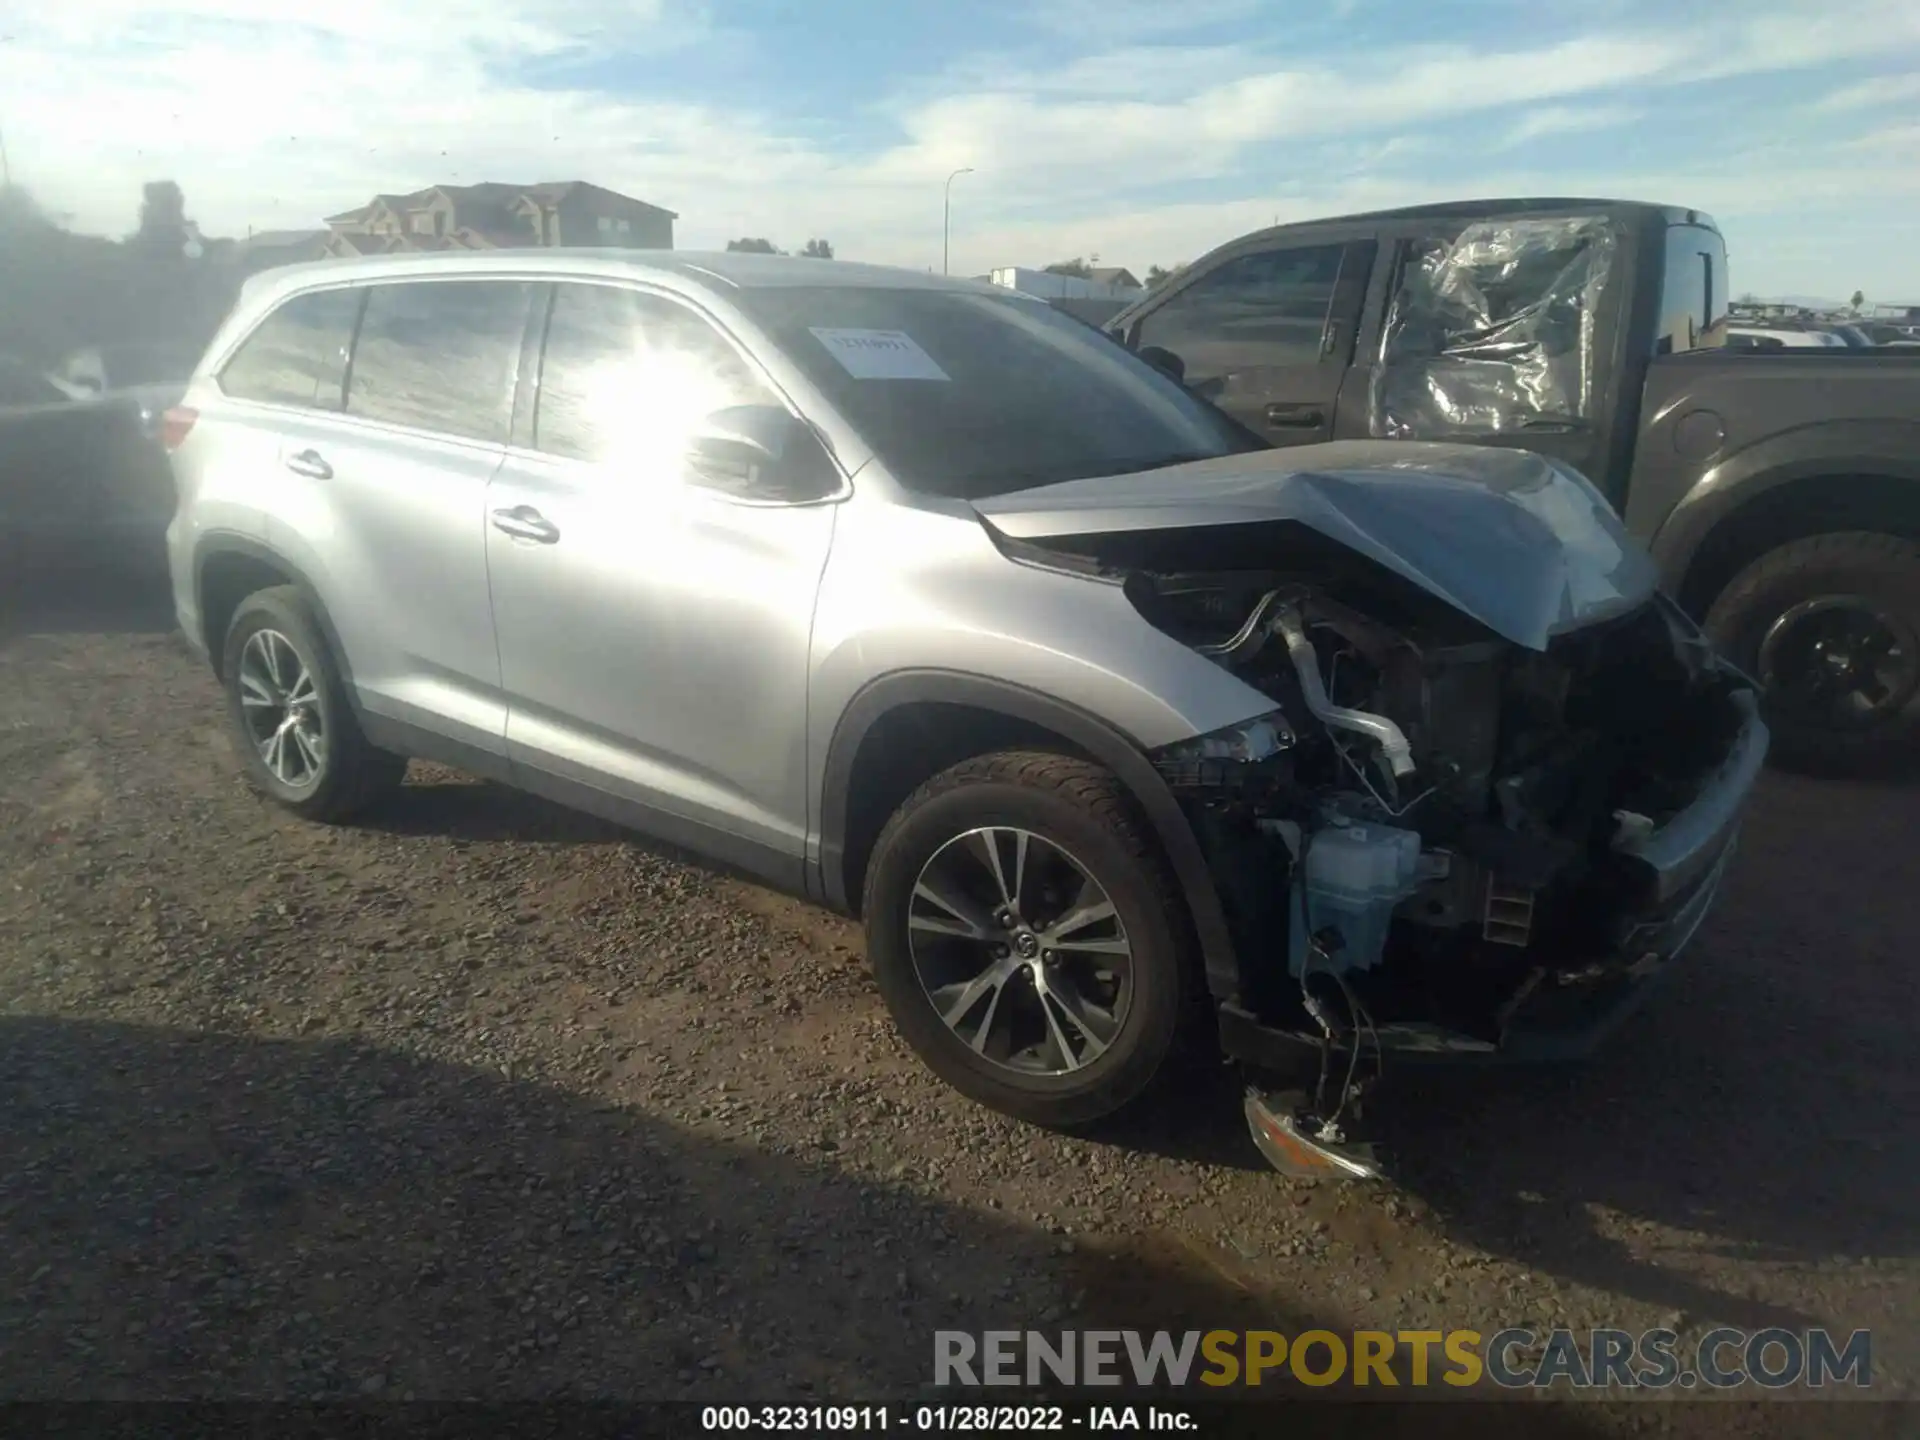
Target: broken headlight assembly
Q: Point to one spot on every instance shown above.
(1249, 753)
(1248, 742)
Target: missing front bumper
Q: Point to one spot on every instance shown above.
(1554, 1020)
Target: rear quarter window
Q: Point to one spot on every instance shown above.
(298, 355)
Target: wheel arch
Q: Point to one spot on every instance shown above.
(227, 568)
(1807, 482)
(908, 726)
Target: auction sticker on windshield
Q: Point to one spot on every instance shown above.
(878, 354)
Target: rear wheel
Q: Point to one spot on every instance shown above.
(297, 735)
(1027, 937)
(1830, 627)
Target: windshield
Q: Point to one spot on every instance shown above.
(966, 395)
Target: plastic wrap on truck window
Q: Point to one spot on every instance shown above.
(1492, 332)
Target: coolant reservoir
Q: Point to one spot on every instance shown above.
(1351, 878)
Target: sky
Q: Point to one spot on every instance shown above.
(1137, 131)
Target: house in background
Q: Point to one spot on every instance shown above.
(495, 216)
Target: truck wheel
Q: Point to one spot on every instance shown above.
(292, 723)
(1830, 626)
(1027, 937)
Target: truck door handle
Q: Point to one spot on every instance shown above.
(1296, 417)
(523, 522)
(311, 464)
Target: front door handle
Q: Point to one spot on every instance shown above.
(523, 522)
(311, 464)
(1296, 417)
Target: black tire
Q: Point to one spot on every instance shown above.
(1082, 808)
(1881, 570)
(352, 773)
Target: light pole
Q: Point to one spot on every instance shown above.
(946, 217)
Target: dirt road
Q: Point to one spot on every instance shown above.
(485, 1098)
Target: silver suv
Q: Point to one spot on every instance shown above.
(929, 602)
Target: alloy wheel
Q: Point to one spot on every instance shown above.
(1020, 951)
(1840, 660)
(280, 703)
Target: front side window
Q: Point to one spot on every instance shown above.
(966, 394)
(298, 355)
(440, 356)
(1257, 311)
(627, 377)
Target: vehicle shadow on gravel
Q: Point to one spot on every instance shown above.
(438, 801)
(1765, 1104)
(205, 1215)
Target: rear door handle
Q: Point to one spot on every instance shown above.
(311, 464)
(523, 522)
(1296, 417)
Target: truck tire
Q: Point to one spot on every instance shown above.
(1830, 627)
(293, 725)
(1028, 937)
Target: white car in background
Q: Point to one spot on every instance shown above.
(1754, 337)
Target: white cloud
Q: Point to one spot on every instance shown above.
(1549, 120)
(272, 122)
(1871, 94)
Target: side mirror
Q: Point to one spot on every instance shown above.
(1165, 361)
(760, 452)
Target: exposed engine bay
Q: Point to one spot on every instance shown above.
(1433, 822)
(1502, 775)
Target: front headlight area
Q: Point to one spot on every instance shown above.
(1248, 742)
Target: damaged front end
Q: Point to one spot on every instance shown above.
(1448, 842)
(1498, 785)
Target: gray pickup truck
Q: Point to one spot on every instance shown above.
(1779, 491)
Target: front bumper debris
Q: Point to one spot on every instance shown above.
(1299, 1146)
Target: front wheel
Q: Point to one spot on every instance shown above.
(1830, 627)
(1027, 937)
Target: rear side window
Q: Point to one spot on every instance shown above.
(298, 355)
(626, 375)
(440, 356)
(1261, 310)
(1693, 297)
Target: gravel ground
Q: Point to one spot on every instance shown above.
(484, 1098)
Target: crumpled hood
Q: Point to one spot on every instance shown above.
(1524, 546)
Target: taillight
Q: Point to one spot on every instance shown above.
(174, 426)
